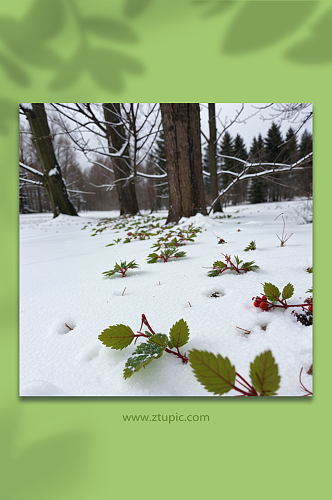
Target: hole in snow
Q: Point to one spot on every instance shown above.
(65, 325)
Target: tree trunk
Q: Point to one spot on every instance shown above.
(181, 124)
(116, 137)
(53, 181)
(212, 156)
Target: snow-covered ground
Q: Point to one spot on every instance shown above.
(61, 282)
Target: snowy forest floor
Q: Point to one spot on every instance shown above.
(61, 283)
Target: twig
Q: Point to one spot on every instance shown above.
(189, 303)
(245, 331)
(284, 237)
(68, 327)
(124, 290)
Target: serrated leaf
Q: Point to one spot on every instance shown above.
(144, 354)
(219, 263)
(264, 374)
(272, 292)
(152, 258)
(109, 273)
(288, 291)
(132, 265)
(253, 268)
(159, 339)
(215, 373)
(117, 336)
(247, 264)
(179, 333)
(214, 273)
(180, 254)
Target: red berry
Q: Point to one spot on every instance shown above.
(263, 305)
(310, 308)
(264, 299)
(256, 304)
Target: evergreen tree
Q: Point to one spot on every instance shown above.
(304, 149)
(257, 187)
(291, 150)
(273, 153)
(240, 151)
(226, 147)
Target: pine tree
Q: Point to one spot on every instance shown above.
(240, 151)
(274, 154)
(257, 187)
(226, 148)
(304, 149)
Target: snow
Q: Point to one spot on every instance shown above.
(53, 171)
(61, 283)
(27, 105)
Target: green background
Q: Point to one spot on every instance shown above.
(163, 51)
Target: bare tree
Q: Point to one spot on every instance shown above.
(125, 133)
(51, 177)
(245, 174)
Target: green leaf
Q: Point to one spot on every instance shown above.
(288, 291)
(272, 292)
(214, 372)
(219, 263)
(310, 270)
(117, 336)
(264, 374)
(180, 254)
(144, 354)
(109, 273)
(253, 268)
(309, 291)
(110, 244)
(214, 273)
(152, 258)
(179, 333)
(247, 264)
(159, 339)
(132, 265)
(251, 246)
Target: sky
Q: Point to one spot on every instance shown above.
(252, 126)
(250, 123)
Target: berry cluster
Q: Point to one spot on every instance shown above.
(306, 317)
(261, 302)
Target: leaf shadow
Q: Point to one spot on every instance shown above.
(7, 115)
(258, 25)
(215, 8)
(61, 456)
(134, 8)
(316, 49)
